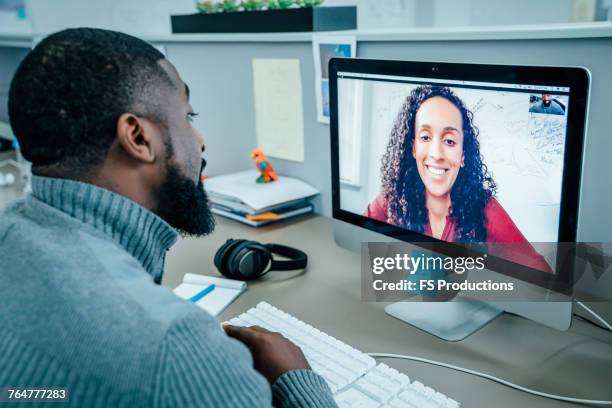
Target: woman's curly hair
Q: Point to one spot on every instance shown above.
(403, 189)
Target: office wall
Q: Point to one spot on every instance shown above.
(12, 22)
(151, 17)
(486, 12)
(136, 17)
(454, 13)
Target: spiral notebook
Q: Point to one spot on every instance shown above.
(215, 302)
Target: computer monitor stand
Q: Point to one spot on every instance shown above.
(450, 321)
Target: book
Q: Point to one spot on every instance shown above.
(239, 207)
(247, 195)
(261, 219)
(215, 302)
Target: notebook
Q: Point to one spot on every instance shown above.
(215, 302)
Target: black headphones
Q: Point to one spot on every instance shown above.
(245, 260)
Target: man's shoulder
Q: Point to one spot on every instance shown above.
(31, 213)
(30, 229)
(31, 236)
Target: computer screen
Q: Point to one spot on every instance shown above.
(468, 153)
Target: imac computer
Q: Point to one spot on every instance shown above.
(428, 152)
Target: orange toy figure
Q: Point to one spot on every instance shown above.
(263, 166)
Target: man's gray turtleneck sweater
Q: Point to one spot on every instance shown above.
(80, 309)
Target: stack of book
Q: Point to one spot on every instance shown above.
(238, 196)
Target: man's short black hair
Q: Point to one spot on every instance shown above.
(69, 91)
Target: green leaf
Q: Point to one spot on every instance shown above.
(230, 6)
(280, 4)
(206, 7)
(252, 5)
(309, 3)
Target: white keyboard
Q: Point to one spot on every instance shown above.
(354, 377)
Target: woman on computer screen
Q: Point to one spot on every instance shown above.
(433, 178)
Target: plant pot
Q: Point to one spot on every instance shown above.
(262, 21)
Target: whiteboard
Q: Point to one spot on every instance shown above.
(524, 153)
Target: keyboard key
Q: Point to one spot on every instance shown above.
(417, 399)
(440, 399)
(373, 391)
(451, 403)
(398, 403)
(236, 321)
(356, 399)
(429, 392)
(391, 386)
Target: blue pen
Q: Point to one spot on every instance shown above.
(202, 293)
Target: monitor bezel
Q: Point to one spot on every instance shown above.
(576, 78)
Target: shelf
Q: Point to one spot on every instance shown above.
(518, 32)
(16, 40)
(551, 31)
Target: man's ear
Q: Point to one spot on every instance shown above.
(135, 135)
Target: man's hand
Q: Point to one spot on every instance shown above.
(273, 354)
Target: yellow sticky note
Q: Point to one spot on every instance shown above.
(279, 118)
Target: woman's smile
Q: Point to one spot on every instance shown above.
(436, 170)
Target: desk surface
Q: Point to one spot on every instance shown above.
(575, 363)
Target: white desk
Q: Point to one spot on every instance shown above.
(576, 363)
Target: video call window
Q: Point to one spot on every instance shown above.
(477, 162)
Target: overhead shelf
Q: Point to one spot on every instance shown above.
(16, 40)
(515, 32)
(550, 31)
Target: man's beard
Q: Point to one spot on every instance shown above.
(184, 204)
(547, 103)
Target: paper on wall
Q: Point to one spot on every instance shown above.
(279, 120)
